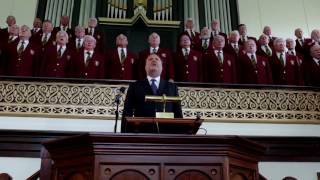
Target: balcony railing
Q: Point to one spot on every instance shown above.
(94, 99)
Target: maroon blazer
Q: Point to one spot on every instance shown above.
(52, 66)
(286, 75)
(94, 70)
(217, 73)
(198, 45)
(33, 32)
(301, 48)
(99, 36)
(24, 65)
(230, 50)
(116, 70)
(260, 51)
(4, 35)
(37, 39)
(311, 73)
(250, 74)
(167, 63)
(190, 70)
(73, 46)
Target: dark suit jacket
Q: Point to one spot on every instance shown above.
(135, 104)
(167, 63)
(116, 70)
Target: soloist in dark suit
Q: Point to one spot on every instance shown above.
(135, 105)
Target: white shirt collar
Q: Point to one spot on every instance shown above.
(250, 54)
(91, 52)
(63, 47)
(156, 78)
(317, 61)
(151, 49)
(26, 43)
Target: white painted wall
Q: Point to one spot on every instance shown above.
(282, 15)
(299, 170)
(23, 10)
(19, 168)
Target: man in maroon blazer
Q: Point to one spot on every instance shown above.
(311, 67)
(215, 30)
(13, 35)
(254, 69)
(46, 37)
(93, 31)
(242, 28)
(64, 26)
(219, 67)
(120, 62)
(57, 57)
(88, 63)
(205, 41)
(37, 25)
(291, 45)
(300, 41)
(285, 67)
(187, 62)
(189, 30)
(315, 39)
(263, 47)
(76, 43)
(22, 59)
(267, 31)
(233, 47)
(164, 54)
(4, 33)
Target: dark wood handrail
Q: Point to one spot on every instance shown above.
(34, 176)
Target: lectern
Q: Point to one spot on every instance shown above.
(165, 125)
(153, 157)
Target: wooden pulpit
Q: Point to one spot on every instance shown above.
(165, 125)
(95, 156)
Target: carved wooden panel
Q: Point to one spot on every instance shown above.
(199, 172)
(239, 173)
(134, 171)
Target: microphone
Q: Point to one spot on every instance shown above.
(117, 101)
(119, 95)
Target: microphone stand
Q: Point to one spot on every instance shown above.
(117, 101)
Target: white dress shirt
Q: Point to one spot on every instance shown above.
(86, 55)
(119, 52)
(284, 57)
(26, 42)
(157, 82)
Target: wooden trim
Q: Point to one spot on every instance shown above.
(279, 149)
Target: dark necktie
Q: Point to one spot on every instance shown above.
(186, 54)
(123, 55)
(21, 48)
(192, 35)
(281, 59)
(253, 61)
(88, 58)
(205, 44)
(154, 87)
(220, 58)
(79, 44)
(268, 52)
(154, 51)
(235, 47)
(60, 52)
(45, 39)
